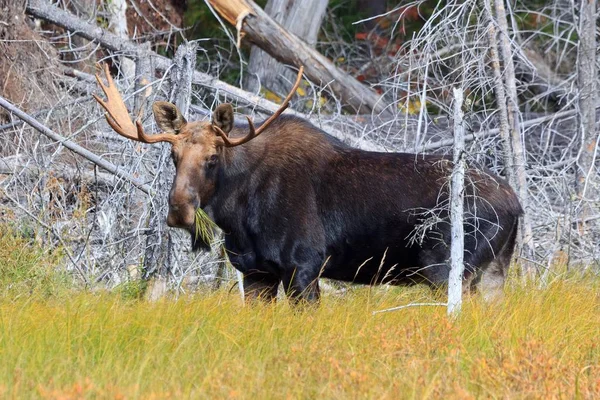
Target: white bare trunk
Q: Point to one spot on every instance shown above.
(457, 184)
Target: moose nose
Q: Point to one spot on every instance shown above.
(181, 216)
(183, 201)
(181, 212)
(171, 220)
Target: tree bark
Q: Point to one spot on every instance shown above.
(285, 47)
(586, 79)
(503, 123)
(159, 242)
(457, 184)
(303, 18)
(144, 73)
(525, 242)
(117, 10)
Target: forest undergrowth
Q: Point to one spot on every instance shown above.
(59, 341)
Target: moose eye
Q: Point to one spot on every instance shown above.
(212, 161)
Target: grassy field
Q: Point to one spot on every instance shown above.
(60, 343)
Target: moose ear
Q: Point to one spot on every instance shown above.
(223, 117)
(168, 117)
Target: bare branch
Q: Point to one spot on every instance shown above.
(110, 167)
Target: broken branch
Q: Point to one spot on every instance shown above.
(74, 147)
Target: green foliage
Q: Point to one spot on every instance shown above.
(221, 58)
(26, 269)
(205, 227)
(345, 13)
(403, 22)
(201, 22)
(132, 289)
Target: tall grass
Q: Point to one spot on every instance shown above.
(26, 269)
(535, 344)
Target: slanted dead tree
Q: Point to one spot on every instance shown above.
(48, 12)
(253, 23)
(74, 147)
(265, 71)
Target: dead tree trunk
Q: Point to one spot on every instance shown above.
(86, 8)
(117, 10)
(265, 71)
(501, 101)
(144, 67)
(457, 184)
(252, 22)
(159, 244)
(586, 79)
(46, 11)
(516, 148)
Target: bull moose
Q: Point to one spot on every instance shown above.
(296, 204)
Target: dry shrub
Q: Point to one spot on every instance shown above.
(27, 62)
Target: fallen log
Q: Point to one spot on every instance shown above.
(266, 72)
(252, 22)
(44, 10)
(90, 178)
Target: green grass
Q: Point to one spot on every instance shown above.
(76, 344)
(205, 227)
(26, 270)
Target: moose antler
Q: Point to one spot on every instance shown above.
(118, 117)
(253, 131)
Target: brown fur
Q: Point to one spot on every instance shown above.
(296, 204)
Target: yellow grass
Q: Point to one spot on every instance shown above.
(77, 344)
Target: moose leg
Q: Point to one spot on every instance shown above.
(258, 282)
(493, 275)
(491, 285)
(260, 285)
(300, 274)
(301, 285)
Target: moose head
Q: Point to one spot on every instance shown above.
(198, 148)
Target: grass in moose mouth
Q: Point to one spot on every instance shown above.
(205, 227)
(78, 344)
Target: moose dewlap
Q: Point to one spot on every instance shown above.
(295, 204)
